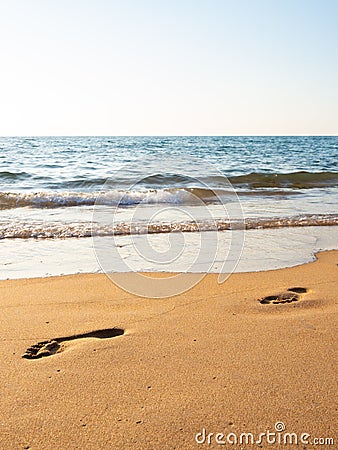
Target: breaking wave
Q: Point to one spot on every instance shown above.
(42, 230)
(174, 196)
(189, 196)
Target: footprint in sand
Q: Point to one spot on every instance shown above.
(52, 346)
(291, 295)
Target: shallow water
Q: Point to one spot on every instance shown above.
(262, 250)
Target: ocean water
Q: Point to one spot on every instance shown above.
(93, 195)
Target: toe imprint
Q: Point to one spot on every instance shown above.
(41, 349)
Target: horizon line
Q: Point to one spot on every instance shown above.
(165, 135)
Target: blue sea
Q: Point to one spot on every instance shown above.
(63, 198)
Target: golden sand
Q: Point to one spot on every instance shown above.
(213, 358)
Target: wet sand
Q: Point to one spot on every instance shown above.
(131, 373)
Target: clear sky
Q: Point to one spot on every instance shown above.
(159, 67)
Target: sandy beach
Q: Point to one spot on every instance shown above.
(194, 144)
(214, 358)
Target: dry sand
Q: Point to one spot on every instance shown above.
(213, 358)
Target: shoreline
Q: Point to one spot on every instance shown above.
(161, 273)
(263, 250)
(212, 358)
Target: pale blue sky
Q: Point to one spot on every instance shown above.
(153, 67)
